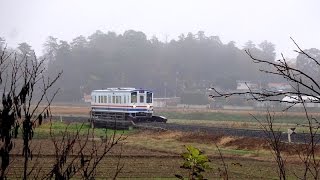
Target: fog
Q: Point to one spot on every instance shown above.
(176, 48)
(33, 21)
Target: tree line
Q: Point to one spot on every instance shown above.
(191, 63)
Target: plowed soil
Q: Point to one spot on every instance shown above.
(140, 162)
(147, 162)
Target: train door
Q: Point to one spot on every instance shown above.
(141, 98)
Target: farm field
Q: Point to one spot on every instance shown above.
(153, 167)
(201, 114)
(149, 154)
(154, 154)
(243, 119)
(85, 108)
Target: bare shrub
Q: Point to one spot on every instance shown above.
(303, 84)
(24, 86)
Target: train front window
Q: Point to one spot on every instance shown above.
(134, 97)
(141, 99)
(149, 97)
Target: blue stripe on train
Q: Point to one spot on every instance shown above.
(118, 109)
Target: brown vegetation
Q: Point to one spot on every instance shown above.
(148, 154)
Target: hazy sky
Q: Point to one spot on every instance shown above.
(32, 21)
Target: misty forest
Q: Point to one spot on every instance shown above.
(124, 89)
(195, 68)
(180, 67)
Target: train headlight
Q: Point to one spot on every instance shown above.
(148, 106)
(134, 106)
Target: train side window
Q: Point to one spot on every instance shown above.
(104, 99)
(95, 99)
(134, 97)
(109, 99)
(113, 99)
(149, 97)
(117, 99)
(141, 99)
(124, 99)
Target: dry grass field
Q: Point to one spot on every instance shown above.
(209, 117)
(70, 110)
(156, 154)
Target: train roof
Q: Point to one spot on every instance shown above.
(120, 89)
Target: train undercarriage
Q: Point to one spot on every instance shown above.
(120, 120)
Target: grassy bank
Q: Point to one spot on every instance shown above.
(59, 128)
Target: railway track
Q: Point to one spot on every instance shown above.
(296, 138)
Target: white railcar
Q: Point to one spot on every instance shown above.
(122, 106)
